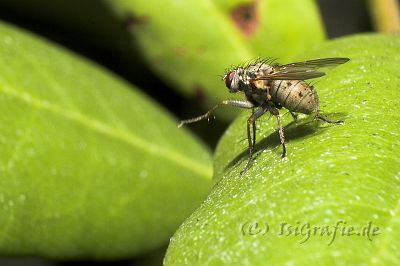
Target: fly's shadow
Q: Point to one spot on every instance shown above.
(296, 129)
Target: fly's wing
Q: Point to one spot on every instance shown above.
(319, 63)
(291, 73)
(302, 70)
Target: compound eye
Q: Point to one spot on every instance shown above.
(229, 78)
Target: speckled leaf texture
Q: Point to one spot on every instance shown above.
(189, 43)
(90, 167)
(284, 212)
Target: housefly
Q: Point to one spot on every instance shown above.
(268, 87)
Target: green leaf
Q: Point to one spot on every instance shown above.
(90, 167)
(335, 175)
(189, 43)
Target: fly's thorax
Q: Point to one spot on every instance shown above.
(258, 70)
(294, 95)
(255, 71)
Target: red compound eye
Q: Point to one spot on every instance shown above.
(228, 79)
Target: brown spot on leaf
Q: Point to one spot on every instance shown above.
(131, 21)
(181, 50)
(199, 94)
(201, 50)
(246, 18)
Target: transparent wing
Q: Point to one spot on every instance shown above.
(302, 70)
(318, 63)
(292, 74)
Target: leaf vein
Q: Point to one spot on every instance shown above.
(116, 133)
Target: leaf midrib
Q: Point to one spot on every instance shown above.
(115, 133)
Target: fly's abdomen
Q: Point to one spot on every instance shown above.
(294, 95)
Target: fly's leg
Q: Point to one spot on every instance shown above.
(275, 112)
(293, 115)
(251, 123)
(319, 116)
(252, 141)
(236, 103)
(254, 130)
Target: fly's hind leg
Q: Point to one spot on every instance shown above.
(275, 112)
(319, 116)
(251, 135)
(236, 103)
(293, 115)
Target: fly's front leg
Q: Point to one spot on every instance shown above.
(251, 123)
(319, 116)
(275, 112)
(236, 103)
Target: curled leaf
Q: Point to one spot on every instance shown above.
(335, 199)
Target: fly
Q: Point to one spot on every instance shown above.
(268, 87)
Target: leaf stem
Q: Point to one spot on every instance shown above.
(385, 15)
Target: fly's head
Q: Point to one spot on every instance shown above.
(233, 79)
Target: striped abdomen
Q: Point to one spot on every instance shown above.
(294, 95)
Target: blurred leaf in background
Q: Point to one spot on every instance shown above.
(346, 174)
(90, 167)
(89, 28)
(385, 15)
(190, 43)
